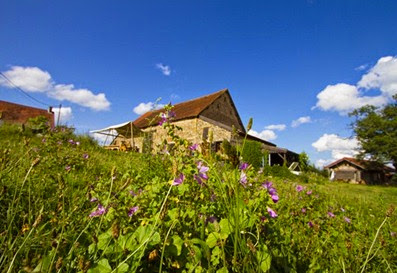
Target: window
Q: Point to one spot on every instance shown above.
(205, 133)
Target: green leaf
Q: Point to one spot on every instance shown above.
(178, 243)
(222, 270)
(264, 258)
(104, 239)
(102, 266)
(226, 227)
(212, 239)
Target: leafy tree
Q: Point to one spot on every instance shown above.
(376, 130)
(303, 161)
(252, 153)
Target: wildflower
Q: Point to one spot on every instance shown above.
(193, 147)
(243, 179)
(77, 143)
(59, 142)
(393, 234)
(71, 141)
(132, 193)
(198, 179)
(101, 210)
(263, 218)
(85, 156)
(267, 185)
(243, 166)
(272, 191)
(299, 188)
(275, 198)
(347, 220)
(43, 140)
(68, 168)
(303, 210)
(342, 209)
(178, 180)
(330, 214)
(211, 219)
(132, 211)
(202, 170)
(310, 224)
(309, 192)
(164, 119)
(171, 114)
(272, 213)
(93, 199)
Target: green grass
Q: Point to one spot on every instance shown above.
(49, 184)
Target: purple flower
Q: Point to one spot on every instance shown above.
(299, 188)
(68, 168)
(303, 210)
(85, 156)
(198, 179)
(267, 185)
(202, 168)
(71, 141)
(330, 214)
(171, 114)
(164, 119)
(101, 210)
(275, 198)
(193, 147)
(243, 166)
(43, 140)
(272, 213)
(310, 224)
(243, 179)
(179, 180)
(272, 191)
(347, 220)
(309, 192)
(132, 193)
(263, 218)
(211, 219)
(93, 199)
(132, 211)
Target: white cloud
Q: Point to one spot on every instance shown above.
(344, 98)
(277, 127)
(142, 108)
(83, 97)
(301, 120)
(33, 79)
(361, 67)
(382, 76)
(66, 114)
(323, 162)
(165, 69)
(265, 134)
(338, 146)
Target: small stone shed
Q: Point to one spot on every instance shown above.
(20, 114)
(214, 114)
(357, 171)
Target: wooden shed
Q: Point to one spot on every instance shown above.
(357, 171)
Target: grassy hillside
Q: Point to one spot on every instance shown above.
(67, 205)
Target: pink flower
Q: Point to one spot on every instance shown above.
(243, 166)
(330, 214)
(243, 179)
(272, 213)
(303, 210)
(347, 220)
(179, 180)
(101, 210)
(68, 168)
(309, 192)
(299, 188)
(193, 147)
(132, 211)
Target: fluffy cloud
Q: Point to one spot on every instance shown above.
(338, 146)
(265, 134)
(65, 114)
(344, 98)
(301, 120)
(142, 108)
(382, 76)
(277, 127)
(165, 69)
(33, 79)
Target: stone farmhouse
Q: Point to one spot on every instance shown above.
(357, 171)
(212, 115)
(20, 114)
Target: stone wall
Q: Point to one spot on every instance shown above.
(192, 130)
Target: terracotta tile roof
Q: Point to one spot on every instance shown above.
(183, 110)
(17, 113)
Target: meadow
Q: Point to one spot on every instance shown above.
(68, 205)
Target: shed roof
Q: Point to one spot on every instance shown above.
(360, 163)
(18, 113)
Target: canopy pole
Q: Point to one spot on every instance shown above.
(132, 136)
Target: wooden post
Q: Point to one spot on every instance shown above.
(132, 137)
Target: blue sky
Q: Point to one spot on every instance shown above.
(282, 61)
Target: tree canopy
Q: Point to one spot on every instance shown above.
(376, 131)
